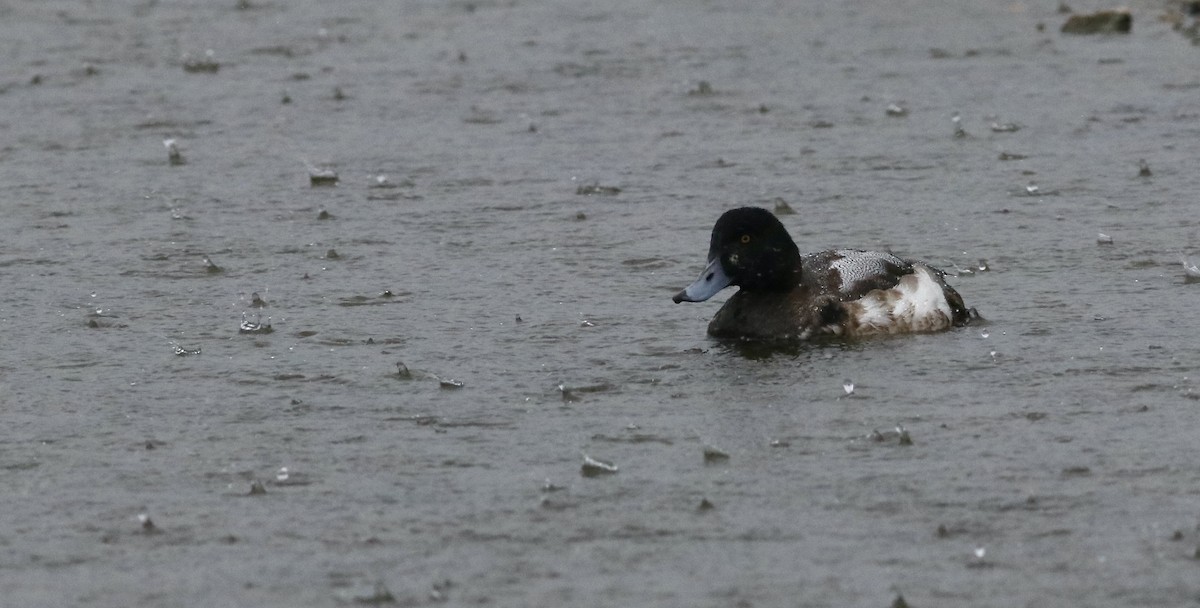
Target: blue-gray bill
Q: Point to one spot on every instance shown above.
(711, 281)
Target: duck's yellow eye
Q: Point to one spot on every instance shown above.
(745, 239)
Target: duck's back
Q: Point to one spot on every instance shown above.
(849, 274)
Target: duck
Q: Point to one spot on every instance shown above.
(839, 293)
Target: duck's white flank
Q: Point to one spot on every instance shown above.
(916, 303)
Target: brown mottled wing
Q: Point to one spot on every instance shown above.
(850, 274)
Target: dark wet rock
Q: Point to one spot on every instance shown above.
(782, 207)
(211, 267)
(148, 524)
(402, 371)
(440, 589)
(201, 65)
(174, 156)
(595, 188)
(1116, 21)
(703, 89)
(595, 468)
(379, 595)
(713, 455)
(322, 177)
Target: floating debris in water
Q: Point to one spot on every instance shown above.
(983, 265)
(449, 383)
(1007, 127)
(184, 352)
(782, 207)
(703, 89)
(956, 120)
(147, 524)
(286, 99)
(705, 505)
(204, 65)
(338, 94)
(595, 468)
(548, 486)
(714, 454)
(1117, 21)
(1012, 156)
(318, 176)
(902, 436)
(324, 215)
(519, 319)
(402, 371)
(257, 488)
(1104, 239)
(779, 443)
(256, 326)
(899, 602)
(586, 323)
(256, 301)
(382, 181)
(174, 156)
(580, 216)
(1144, 168)
(332, 254)
(896, 110)
(1032, 189)
(848, 386)
(1190, 271)
(595, 188)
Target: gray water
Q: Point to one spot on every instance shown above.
(1052, 458)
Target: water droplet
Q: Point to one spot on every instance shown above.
(282, 475)
(848, 386)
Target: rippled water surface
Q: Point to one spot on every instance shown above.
(522, 187)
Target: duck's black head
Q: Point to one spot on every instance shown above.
(750, 248)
